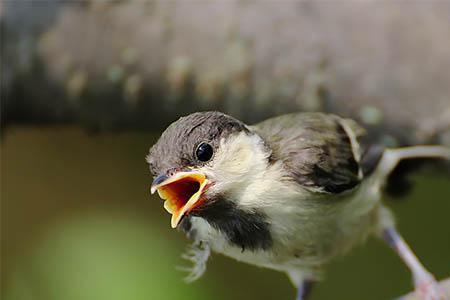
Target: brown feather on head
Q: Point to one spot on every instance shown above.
(176, 147)
(176, 159)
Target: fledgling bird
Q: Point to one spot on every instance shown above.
(289, 193)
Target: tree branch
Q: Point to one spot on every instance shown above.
(121, 64)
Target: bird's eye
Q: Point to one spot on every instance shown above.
(204, 152)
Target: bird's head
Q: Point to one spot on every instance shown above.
(203, 158)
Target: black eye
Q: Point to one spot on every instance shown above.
(204, 152)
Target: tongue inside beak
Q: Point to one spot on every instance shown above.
(181, 193)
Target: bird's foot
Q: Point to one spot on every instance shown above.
(427, 288)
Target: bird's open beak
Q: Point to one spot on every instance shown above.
(181, 191)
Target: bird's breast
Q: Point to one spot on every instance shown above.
(246, 229)
(220, 242)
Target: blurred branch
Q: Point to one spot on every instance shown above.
(120, 64)
(445, 286)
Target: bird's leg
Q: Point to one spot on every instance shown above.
(392, 157)
(304, 289)
(303, 283)
(424, 282)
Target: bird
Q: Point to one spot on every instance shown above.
(290, 193)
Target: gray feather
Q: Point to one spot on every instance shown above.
(315, 148)
(175, 149)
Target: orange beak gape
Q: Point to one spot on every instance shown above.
(181, 193)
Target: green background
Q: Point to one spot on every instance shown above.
(78, 222)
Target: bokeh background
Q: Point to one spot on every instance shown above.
(88, 86)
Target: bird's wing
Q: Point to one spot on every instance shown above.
(320, 151)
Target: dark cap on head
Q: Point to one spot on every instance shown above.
(175, 149)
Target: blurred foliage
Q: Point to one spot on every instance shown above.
(102, 256)
(78, 223)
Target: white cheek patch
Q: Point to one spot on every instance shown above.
(241, 169)
(234, 157)
(238, 161)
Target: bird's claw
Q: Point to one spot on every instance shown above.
(428, 289)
